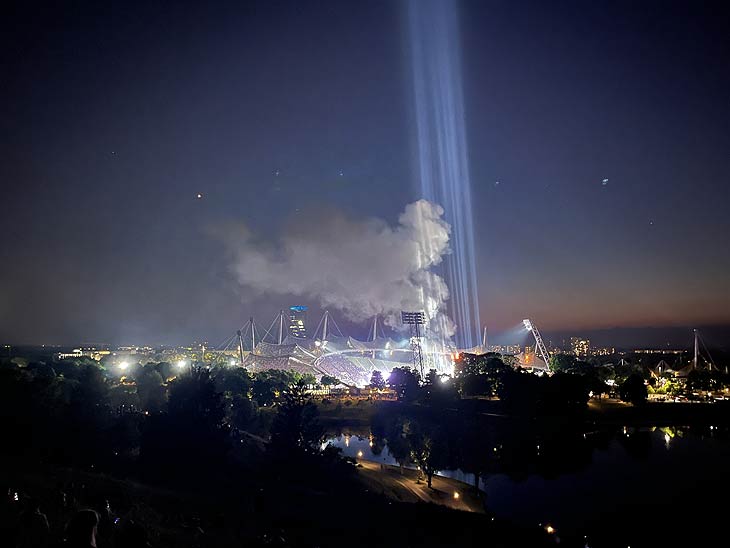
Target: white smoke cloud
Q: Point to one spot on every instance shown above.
(359, 267)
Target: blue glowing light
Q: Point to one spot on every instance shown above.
(298, 308)
(443, 166)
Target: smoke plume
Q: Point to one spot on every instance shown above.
(359, 267)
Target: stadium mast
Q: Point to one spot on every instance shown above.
(539, 345)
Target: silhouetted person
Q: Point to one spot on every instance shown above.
(33, 530)
(105, 527)
(81, 530)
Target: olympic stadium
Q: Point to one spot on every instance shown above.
(286, 345)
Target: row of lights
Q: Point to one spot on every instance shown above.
(123, 366)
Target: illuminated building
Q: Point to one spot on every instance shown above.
(580, 347)
(90, 352)
(297, 318)
(505, 349)
(605, 351)
(658, 351)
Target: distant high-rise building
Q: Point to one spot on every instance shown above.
(579, 346)
(297, 319)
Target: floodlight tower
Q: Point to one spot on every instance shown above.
(539, 345)
(375, 333)
(240, 346)
(415, 319)
(281, 326)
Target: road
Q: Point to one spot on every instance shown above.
(405, 487)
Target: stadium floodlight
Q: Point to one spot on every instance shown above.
(540, 349)
(413, 318)
(123, 366)
(181, 364)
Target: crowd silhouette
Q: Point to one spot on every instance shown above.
(61, 520)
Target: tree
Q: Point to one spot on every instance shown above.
(701, 380)
(193, 433)
(405, 381)
(296, 425)
(151, 389)
(232, 381)
(377, 381)
(429, 447)
(328, 380)
(268, 385)
(89, 413)
(123, 397)
(480, 374)
(633, 390)
(566, 363)
(243, 412)
(564, 392)
(595, 384)
(308, 379)
(439, 389)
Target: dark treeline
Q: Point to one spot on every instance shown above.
(193, 456)
(487, 375)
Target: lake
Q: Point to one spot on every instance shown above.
(629, 486)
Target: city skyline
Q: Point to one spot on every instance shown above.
(131, 133)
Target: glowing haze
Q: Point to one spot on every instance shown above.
(443, 167)
(361, 267)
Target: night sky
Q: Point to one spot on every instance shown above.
(599, 148)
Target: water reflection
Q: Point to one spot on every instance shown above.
(578, 481)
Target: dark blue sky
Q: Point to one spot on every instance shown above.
(116, 114)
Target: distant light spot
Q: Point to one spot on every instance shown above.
(604, 182)
(199, 196)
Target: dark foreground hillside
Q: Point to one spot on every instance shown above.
(224, 515)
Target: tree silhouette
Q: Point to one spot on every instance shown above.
(150, 389)
(377, 381)
(405, 381)
(328, 380)
(633, 390)
(193, 432)
(296, 427)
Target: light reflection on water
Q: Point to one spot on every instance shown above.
(640, 474)
(351, 445)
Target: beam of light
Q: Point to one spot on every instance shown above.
(443, 166)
